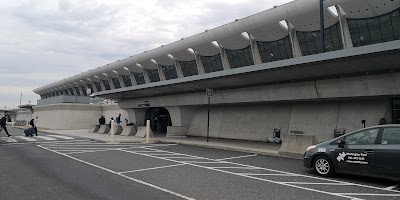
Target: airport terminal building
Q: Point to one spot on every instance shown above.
(267, 71)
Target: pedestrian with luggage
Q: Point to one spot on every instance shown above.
(118, 119)
(32, 123)
(3, 123)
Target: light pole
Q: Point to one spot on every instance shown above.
(209, 93)
(321, 21)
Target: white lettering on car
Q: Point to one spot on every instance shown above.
(356, 158)
(321, 149)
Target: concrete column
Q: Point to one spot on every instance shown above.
(178, 69)
(103, 87)
(199, 63)
(73, 92)
(133, 79)
(254, 50)
(121, 81)
(294, 41)
(112, 86)
(94, 87)
(224, 58)
(347, 42)
(146, 76)
(137, 116)
(80, 90)
(161, 73)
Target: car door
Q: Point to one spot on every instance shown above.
(358, 153)
(388, 153)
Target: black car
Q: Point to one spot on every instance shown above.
(373, 151)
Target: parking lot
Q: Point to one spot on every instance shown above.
(201, 173)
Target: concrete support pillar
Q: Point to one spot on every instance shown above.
(254, 50)
(133, 79)
(73, 91)
(224, 59)
(136, 116)
(94, 87)
(112, 86)
(80, 90)
(294, 41)
(199, 63)
(181, 118)
(161, 73)
(103, 87)
(146, 76)
(121, 81)
(178, 69)
(347, 42)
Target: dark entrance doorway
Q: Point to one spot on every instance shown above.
(396, 111)
(159, 119)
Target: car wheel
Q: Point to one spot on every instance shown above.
(323, 166)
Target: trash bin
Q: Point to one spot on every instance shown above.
(276, 136)
(339, 132)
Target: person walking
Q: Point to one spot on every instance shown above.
(118, 119)
(3, 123)
(102, 120)
(32, 123)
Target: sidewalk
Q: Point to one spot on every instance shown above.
(225, 144)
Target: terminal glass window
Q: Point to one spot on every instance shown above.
(170, 72)
(98, 86)
(189, 68)
(310, 42)
(61, 92)
(240, 58)
(90, 86)
(374, 30)
(139, 78)
(212, 63)
(275, 50)
(57, 93)
(71, 91)
(116, 83)
(396, 111)
(83, 90)
(77, 91)
(106, 84)
(127, 80)
(65, 91)
(153, 75)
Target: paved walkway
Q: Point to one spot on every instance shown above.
(226, 144)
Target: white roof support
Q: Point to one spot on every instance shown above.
(199, 63)
(133, 78)
(178, 68)
(254, 50)
(294, 41)
(161, 73)
(347, 42)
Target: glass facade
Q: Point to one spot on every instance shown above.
(127, 80)
(90, 86)
(170, 72)
(116, 83)
(57, 93)
(153, 75)
(66, 92)
(275, 50)
(212, 63)
(61, 92)
(240, 58)
(139, 78)
(106, 84)
(83, 90)
(374, 30)
(310, 42)
(98, 86)
(77, 91)
(189, 68)
(71, 91)
(396, 111)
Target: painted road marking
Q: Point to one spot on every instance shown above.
(62, 137)
(392, 187)
(45, 138)
(26, 138)
(139, 170)
(237, 157)
(8, 139)
(119, 174)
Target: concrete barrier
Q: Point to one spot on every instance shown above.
(104, 128)
(118, 130)
(129, 131)
(141, 132)
(176, 131)
(294, 145)
(94, 129)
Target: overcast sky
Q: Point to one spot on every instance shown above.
(43, 41)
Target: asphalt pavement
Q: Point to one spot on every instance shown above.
(78, 168)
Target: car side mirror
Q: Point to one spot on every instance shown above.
(341, 143)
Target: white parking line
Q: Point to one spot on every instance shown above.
(250, 174)
(392, 187)
(119, 174)
(370, 194)
(62, 137)
(237, 157)
(45, 138)
(139, 170)
(312, 183)
(26, 138)
(8, 139)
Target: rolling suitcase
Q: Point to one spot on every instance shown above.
(29, 131)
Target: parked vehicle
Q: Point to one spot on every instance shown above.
(372, 151)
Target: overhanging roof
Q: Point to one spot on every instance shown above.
(362, 60)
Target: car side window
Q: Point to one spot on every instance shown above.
(391, 136)
(364, 137)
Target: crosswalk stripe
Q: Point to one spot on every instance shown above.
(45, 138)
(7, 139)
(62, 137)
(26, 138)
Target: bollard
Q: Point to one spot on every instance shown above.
(112, 130)
(148, 131)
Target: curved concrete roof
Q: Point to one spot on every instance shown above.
(263, 26)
